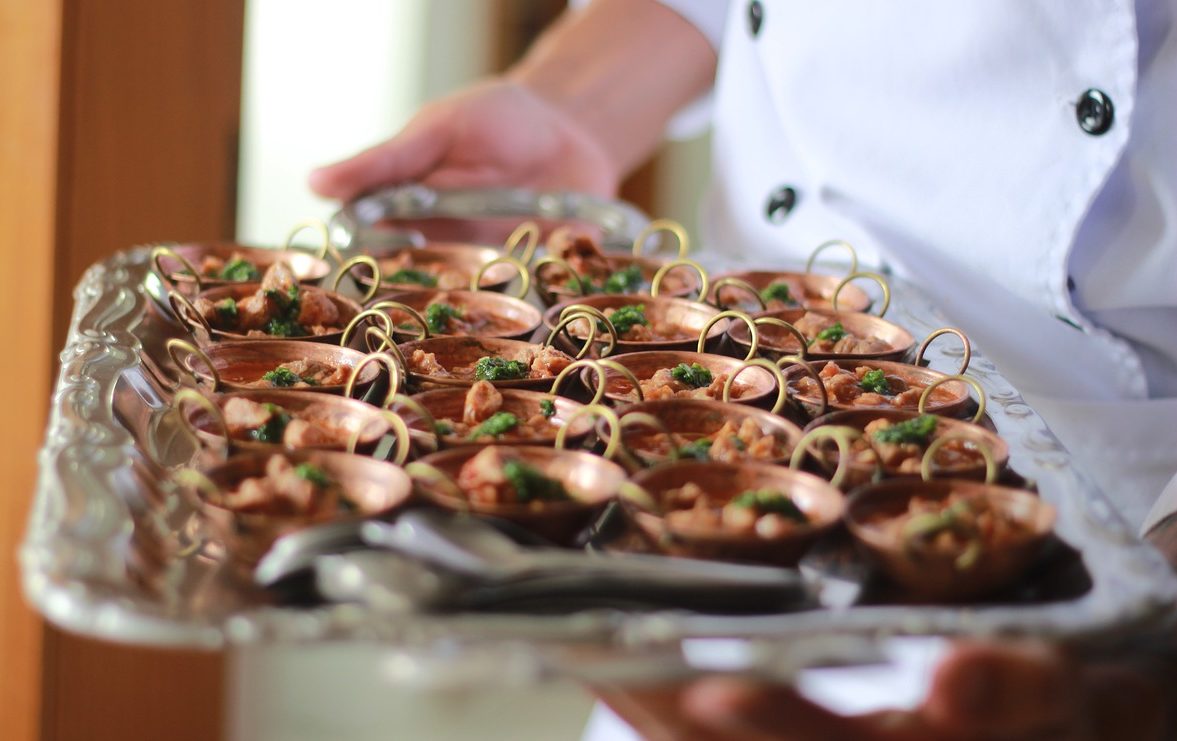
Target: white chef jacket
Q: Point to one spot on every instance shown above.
(943, 139)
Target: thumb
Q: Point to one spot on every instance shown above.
(410, 155)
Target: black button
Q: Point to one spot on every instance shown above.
(755, 16)
(780, 202)
(1095, 112)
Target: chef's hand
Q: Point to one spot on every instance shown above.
(1005, 691)
(494, 134)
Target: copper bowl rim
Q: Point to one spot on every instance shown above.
(857, 300)
(780, 426)
(490, 296)
(297, 351)
(580, 430)
(551, 316)
(793, 372)
(321, 268)
(406, 349)
(649, 266)
(740, 335)
(589, 381)
(444, 251)
(232, 290)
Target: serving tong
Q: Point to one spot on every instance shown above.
(430, 561)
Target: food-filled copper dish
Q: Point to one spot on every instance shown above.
(252, 499)
(897, 440)
(879, 384)
(443, 265)
(735, 512)
(637, 322)
(476, 416)
(263, 420)
(196, 266)
(679, 374)
(949, 539)
(460, 312)
(275, 308)
(241, 366)
(828, 335)
(460, 361)
(657, 431)
(772, 290)
(553, 493)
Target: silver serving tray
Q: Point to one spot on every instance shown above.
(111, 552)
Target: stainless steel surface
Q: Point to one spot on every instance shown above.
(111, 551)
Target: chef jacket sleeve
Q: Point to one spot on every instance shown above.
(710, 17)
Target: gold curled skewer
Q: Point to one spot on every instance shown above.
(643, 419)
(358, 319)
(639, 496)
(625, 373)
(350, 265)
(427, 474)
(600, 412)
(528, 229)
(659, 226)
(842, 437)
(833, 243)
(595, 318)
(927, 394)
(802, 340)
(183, 398)
(929, 458)
(387, 345)
(753, 330)
(741, 285)
(175, 346)
(416, 407)
(596, 367)
(422, 324)
(188, 315)
(550, 297)
(395, 377)
(326, 248)
(193, 479)
(870, 276)
(821, 387)
(404, 442)
(782, 393)
(682, 262)
(968, 347)
(520, 268)
(162, 250)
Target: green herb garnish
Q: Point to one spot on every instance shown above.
(497, 425)
(314, 474)
(532, 486)
(286, 323)
(876, 382)
(693, 375)
(272, 430)
(499, 369)
(699, 449)
(777, 292)
(282, 327)
(768, 501)
(916, 430)
(443, 428)
(547, 407)
(282, 377)
(583, 286)
(412, 275)
(833, 333)
(626, 317)
(240, 270)
(626, 280)
(438, 316)
(226, 309)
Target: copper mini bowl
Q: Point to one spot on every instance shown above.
(816, 291)
(644, 365)
(776, 341)
(552, 292)
(449, 404)
(377, 487)
(822, 504)
(695, 418)
(952, 401)
(308, 269)
(858, 474)
(348, 415)
(591, 480)
(465, 351)
(690, 316)
(464, 259)
(238, 364)
(937, 576)
(519, 318)
(239, 291)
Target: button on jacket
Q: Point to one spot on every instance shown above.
(1014, 157)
